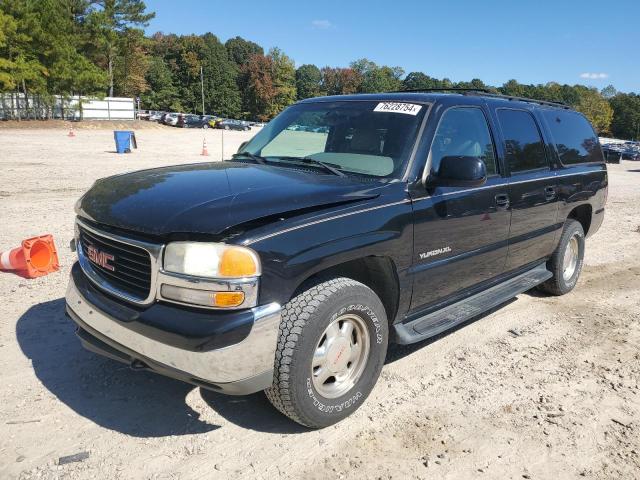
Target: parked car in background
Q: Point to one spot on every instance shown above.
(233, 125)
(171, 119)
(186, 118)
(198, 121)
(155, 116)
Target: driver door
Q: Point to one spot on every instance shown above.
(460, 233)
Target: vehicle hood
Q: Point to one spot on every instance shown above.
(209, 198)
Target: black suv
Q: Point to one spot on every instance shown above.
(346, 223)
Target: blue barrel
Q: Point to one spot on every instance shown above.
(124, 138)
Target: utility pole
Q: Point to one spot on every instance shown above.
(202, 87)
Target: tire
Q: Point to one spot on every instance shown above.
(307, 325)
(566, 273)
(226, 127)
(205, 126)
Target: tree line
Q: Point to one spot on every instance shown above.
(99, 48)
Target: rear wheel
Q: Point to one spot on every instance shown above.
(566, 261)
(331, 349)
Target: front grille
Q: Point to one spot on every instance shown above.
(131, 265)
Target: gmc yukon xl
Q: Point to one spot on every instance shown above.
(346, 223)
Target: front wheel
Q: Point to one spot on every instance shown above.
(331, 348)
(566, 262)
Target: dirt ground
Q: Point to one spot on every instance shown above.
(542, 388)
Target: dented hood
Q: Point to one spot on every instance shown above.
(210, 198)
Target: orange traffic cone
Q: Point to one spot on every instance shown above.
(36, 257)
(205, 152)
(71, 132)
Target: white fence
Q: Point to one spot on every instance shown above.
(20, 106)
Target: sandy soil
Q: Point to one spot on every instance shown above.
(542, 388)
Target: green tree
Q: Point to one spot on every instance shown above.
(222, 95)
(240, 50)
(162, 94)
(626, 116)
(260, 89)
(130, 67)
(8, 29)
(339, 81)
(308, 81)
(609, 92)
(596, 108)
(418, 81)
(284, 81)
(512, 87)
(377, 79)
(108, 20)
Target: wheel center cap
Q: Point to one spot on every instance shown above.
(338, 355)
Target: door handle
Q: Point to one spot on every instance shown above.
(549, 193)
(502, 201)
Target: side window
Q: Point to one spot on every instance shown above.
(463, 131)
(523, 144)
(573, 136)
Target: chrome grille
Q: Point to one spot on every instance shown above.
(132, 268)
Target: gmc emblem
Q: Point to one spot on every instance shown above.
(100, 258)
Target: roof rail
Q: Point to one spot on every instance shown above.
(513, 98)
(483, 92)
(451, 89)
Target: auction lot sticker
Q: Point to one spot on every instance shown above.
(395, 107)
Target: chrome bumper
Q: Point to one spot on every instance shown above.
(252, 358)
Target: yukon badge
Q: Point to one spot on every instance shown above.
(431, 253)
(100, 258)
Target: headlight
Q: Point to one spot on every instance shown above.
(211, 260)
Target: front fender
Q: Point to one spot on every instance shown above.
(293, 254)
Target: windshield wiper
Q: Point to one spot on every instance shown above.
(256, 158)
(327, 166)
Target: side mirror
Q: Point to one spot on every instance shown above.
(242, 145)
(460, 171)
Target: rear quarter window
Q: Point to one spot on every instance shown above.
(573, 136)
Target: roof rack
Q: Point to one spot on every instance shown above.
(487, 93)
(451, 89)
(513, 98)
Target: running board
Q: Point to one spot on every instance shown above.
(448, 317)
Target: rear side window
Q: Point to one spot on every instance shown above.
(573, 136)
(523, 143)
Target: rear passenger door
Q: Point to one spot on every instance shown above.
(533, 189)
(460, 233)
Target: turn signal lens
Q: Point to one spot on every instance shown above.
(228, 299)
(238, 262)
(205, 298)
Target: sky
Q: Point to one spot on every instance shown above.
(536, 41)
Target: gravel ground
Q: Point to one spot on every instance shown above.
(542, 388)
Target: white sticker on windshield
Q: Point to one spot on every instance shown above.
(395, 107)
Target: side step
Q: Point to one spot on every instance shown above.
(448, 317)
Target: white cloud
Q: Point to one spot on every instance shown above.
(594, 76)
(324, 24)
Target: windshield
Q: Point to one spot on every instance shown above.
(356, 137)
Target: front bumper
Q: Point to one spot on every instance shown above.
(241, 368)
